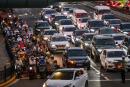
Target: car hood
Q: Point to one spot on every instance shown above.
(78, 57)
(60, 43)
(58, 83)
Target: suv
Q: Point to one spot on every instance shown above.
(100, 42)
(76, 57)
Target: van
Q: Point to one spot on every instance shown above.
(77, 14)
(100, 10)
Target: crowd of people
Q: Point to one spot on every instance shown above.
(26, 48)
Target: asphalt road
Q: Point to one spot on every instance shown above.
(97, 76)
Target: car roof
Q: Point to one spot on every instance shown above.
(58, 35)
(74, 48)
(119, 34)
(113, 19)
(38, 21)
(99, 7)
(88, 34)
(125, 23)
(102, 36)
(67, 69)
(108, 50)
(69, 26)
(79, 11)
(49, 30)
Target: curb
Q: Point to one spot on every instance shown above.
(6, 84)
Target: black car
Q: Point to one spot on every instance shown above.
(125, 28)
(100, 42)
(76, 36)
(76, 57)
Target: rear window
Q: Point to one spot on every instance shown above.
(81, 15)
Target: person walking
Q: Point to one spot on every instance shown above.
(123, 70)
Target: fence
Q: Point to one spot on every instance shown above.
(6, 73)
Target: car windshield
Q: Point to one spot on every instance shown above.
(113, 54)
(66, 22)
(69, 29)
(115, 22)
(125, 26)
(59, 39)
(75, 53)
(87, 37)
(106, 31)
(119, 37)
(50, 12)
(104, 11)
(105, 41)
(108, 17)
(42, 25)
(57, 18)
(96, 24)
(49, 32)
(84, 20)
(66, 9)
(63, 75)
(79, 33)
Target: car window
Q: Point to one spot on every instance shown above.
(79, 73)
(96, 24)
(125, 26)
(59, 39)
(73, 53)
(66, 22)
(112, 54)
(49, 32)
(63, 75)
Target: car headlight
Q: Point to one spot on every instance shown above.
(99, 50)
(53, 46)
(65, 13)
(86, 44)
(45, 38)
(45, 85)
(92, 30)
(77, 39)
(46, 16)
(67, 45)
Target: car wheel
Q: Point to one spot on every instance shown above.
(86, 83)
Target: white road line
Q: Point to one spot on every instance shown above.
(109, 80)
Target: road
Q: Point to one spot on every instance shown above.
(97, 76)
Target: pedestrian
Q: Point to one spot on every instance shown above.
(123, 70)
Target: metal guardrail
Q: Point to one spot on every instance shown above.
(6, 73)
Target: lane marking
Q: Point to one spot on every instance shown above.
(108, 80)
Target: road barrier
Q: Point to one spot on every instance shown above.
(6, 73)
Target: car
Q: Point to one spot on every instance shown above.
(114, 23)
(119, 38)
(78, 13)
(94, 25)
(46, 13)
(40, 26)
(82, 22)
(68, 30)
(58, 43)
(68, 77)
(76, 57)
(85, 41)
(77, 34)
(106, 31)
(100, 42)
(125, 28)
(109, 57)
(64, 22)
(56, 19)
(48, 33)
(100, 10)
(65, 10)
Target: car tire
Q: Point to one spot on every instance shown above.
(86, 83)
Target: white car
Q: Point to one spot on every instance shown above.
(68, 30)
(63, 23)
(68, 77)
(58, 43)
(82, 22)
(118, 38)
(109, 57)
